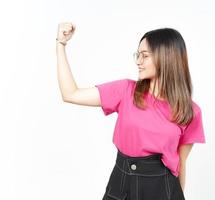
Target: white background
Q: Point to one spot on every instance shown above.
(51, 150)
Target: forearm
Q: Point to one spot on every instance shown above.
(182, 175)
(65, 78)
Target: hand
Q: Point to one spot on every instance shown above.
(65, 31)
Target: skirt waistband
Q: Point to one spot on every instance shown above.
(150, 165)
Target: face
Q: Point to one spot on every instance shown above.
(146, 67)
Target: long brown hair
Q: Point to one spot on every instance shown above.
(172, 73)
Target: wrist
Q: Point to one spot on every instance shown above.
(60, 42)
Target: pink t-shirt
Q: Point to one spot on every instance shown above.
(143, 132)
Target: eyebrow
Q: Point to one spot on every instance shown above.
(143, 51)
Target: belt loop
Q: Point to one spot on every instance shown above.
(128, 166)
(123, 176)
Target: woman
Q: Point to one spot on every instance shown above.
(157, 123)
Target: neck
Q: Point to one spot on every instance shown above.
(156, 91)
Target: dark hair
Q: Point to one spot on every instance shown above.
(169, 55)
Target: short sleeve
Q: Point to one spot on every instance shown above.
(194, 132)
(111, 94)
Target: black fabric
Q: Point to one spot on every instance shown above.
(142, 178)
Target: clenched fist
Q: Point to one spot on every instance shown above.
(65, 31)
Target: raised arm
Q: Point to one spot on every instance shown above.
(68, 87)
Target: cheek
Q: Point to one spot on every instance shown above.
(148, 62)
(150, 65)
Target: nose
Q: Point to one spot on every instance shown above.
(140, 66)
(139, 61)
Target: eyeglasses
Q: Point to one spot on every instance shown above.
(140, 55)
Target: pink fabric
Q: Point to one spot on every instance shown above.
(143, 132)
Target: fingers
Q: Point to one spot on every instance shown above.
(67, 27)
(65, 30)
(67, 24)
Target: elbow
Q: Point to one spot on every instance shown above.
(68, 98)
(65, 99)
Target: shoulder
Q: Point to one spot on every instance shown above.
(122, 84)
(125, 83)
(196, 107)
(196, 117)
(197, 114)
(125, 86)
(130, 82)
(127, 80)
(130, 85)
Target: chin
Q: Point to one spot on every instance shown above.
(142, 77)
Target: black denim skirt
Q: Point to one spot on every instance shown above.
(142, 178)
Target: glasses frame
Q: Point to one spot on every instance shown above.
(137, 54)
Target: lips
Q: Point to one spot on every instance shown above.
(141, 69)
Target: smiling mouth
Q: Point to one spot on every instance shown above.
(141, 69)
